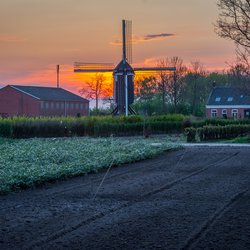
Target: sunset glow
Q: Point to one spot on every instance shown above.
(35, 36)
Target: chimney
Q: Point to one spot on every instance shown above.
(57, 74)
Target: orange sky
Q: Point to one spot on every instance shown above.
(37, 35)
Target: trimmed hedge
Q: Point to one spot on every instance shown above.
(219, 122)
(191, 134)
(217, 132)
(24, 127)
(21, 127)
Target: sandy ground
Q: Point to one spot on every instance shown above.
(194, 198)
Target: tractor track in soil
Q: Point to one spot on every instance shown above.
(91, 182)
(124, 202)
(131, 203)
(214, 218)
(124, 171)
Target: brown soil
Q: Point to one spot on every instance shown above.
(194, 198)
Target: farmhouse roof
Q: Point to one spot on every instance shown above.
(228, 96)
(48, 93)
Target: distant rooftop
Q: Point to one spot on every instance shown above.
(48, 93)
(228, 96)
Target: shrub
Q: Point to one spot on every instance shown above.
(28, 129)
(5, 127)
(222, 132)
(25, 127)
(191, 134)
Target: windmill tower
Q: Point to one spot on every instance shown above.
(123, 73)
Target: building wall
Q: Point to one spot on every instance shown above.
(14, 103)
(64, 108)
(240, 112)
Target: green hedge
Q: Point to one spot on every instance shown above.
(24, 127)
(21, 127)
(219, 122)
(216, 132)
(5, 128)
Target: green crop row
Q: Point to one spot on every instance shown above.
(30, 162)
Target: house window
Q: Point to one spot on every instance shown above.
(81, 106)
(72, 105)
(224, 113)
(62, 105)
(46, 105)
(229, 99)
(235, 113)
(247, 113)
(77, 105)
(57, 105)
(67, 106)
(217, 99)
(42, 105)
(214, 113)
(52, 105)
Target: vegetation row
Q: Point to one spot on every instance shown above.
(216, 132)
(23, 127)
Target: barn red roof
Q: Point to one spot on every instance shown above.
(48, 93)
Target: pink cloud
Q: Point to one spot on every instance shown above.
(11, 39)
(146, 38)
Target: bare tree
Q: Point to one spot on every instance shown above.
(171, 84)
(146, 87)
(239, 76)
(243, 56)
(95, 88)
(234, 24)
(163, 81)
(197, 73)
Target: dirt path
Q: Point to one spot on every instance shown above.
(194, 198)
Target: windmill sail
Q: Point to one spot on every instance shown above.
(93, 67)
(127, 40)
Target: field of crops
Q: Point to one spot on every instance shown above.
(30, 162)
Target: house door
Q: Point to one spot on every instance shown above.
(247, 113)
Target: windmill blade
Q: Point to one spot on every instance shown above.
(128, 40)
(80, 67)
(153, 69)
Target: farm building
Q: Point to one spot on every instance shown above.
(16, 100)
(228, 103)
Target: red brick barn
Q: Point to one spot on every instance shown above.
(16, 100)
(228, 103)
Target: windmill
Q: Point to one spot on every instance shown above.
(123, 73)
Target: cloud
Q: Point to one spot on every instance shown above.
(146, 38)
(11, 39)
(161, 36)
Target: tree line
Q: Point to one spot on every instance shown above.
(183, 91)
